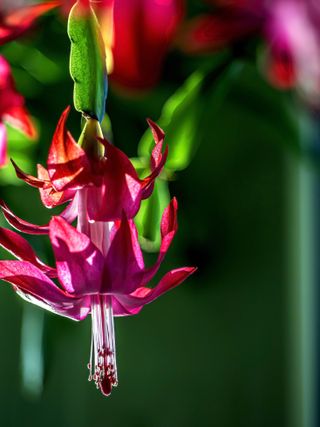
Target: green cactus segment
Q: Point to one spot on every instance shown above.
(87, 62)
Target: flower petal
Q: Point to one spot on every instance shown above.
(124, 262)
(3, 145)
(49, 196)
(20, 224)
(79, 262)
(29, 179)
(19, 118)
(157, 159)
(68, 165)
(120, 189)
(144, 295)
(37, 288)
(168, 228)
(21, 249)
(9, 97)
(120, 310)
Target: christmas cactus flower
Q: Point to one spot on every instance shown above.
(12, 110)
(101, 272)
(99, 267)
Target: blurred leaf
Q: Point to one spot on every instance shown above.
(185, 118)
(179, 119)
(21, 149)
(32, 65)
(106, 127)
(183, 114)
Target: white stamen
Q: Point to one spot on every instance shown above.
(102, 365)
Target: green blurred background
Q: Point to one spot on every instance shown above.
(234, 345)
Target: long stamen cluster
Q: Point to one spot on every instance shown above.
(102, 365)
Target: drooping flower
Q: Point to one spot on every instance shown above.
(16, 20)
(101, 271)
(99, 265)
(12, 110)
(289, 27)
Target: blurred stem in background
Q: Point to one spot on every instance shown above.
(303, 213)
(32, 363)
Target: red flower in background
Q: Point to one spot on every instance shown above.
(15, 20)
(139, 34)
(291, 29)
(12, 110)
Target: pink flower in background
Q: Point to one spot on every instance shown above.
(101, 271)
(12, 110)
(293, 32)
(291, 29)
(17, 17)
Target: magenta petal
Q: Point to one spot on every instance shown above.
(157, 160)
(70, 213)
(21, 249)
(120, 190)
(29, 179)
(120, 310)
(144, 295)
(3, 145)
(124, 262)
(168, 229)
(20, 224)
(49, 196)
(37, 288)
(68, 165)
(79, 262)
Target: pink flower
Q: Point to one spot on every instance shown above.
(15, 21)
(99, 265)
(12, 110)
(290, 28)
(101, 271)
